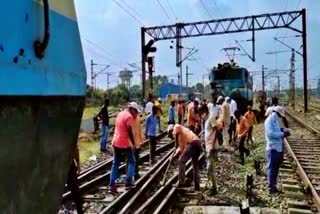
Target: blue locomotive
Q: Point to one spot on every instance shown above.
(42, 93)
(230, 80)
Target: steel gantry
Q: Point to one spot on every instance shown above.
(230, 25)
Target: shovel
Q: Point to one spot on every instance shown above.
(166, 172)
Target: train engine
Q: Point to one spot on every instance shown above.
(230, 80)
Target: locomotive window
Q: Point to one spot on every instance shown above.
(225, 74)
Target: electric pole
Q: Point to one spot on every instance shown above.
(179, 79)
(203, 86)
(292, 79)
(108, 82)
(278, 86)
(92, 81)
(263, 78)
(187, 76)
(92, 74)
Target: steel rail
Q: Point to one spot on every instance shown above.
(104, 178)
(304, 177)
(152, 203)
(128, 198)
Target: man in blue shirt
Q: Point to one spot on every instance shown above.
(274, 136)
(171, 113)
(150, 132)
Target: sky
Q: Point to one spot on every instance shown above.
(111, 36)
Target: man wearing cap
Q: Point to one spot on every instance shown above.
(123, 145)
(188, 145)
(225, 118)
(274, 136)
(193, 117)
(275, 103)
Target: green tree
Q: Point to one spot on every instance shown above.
(135, 92)
(119, 95)
(164, 79)
(199, 87)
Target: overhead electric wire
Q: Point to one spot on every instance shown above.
(164, 11)
(134, 17)
(206, 9)
(104, 52)
(172, 10)
(131, 8)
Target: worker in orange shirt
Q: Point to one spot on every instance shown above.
(180, 112)
(138, 140)
(188, 145)
(242, 132)
(159, 112)
(251, 119)
(193, 117)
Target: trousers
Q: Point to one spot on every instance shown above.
(250, 134)
(73, 186)
(274, 160)
(242, 148)
(211, 167)
(118, 154)
(152, 148)
(192, 150)
(104, 137)
(225, 133)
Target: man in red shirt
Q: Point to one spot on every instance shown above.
(123, 145)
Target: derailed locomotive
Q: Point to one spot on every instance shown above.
(230, 80)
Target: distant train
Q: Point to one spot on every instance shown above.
(230, 80)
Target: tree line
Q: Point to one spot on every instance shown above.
(121, 94)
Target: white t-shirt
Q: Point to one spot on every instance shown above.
(209, 107)
(148, 108)
(210, 134)
(233, 107)
(269, 111)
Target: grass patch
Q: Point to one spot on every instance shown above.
(91, 111)
(88, 147)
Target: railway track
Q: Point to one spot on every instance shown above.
(92, 175)
(150, 195)
(94, 181)
(303, 149)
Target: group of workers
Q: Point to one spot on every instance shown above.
(210, 126)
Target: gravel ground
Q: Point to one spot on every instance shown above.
(231, 177)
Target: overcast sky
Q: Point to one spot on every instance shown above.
(111, 36)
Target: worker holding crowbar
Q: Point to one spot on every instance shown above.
(188, 145)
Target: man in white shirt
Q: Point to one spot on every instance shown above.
(233, 108)
(149, 106)
(225, 118)
(210, 104)
(274, 103)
